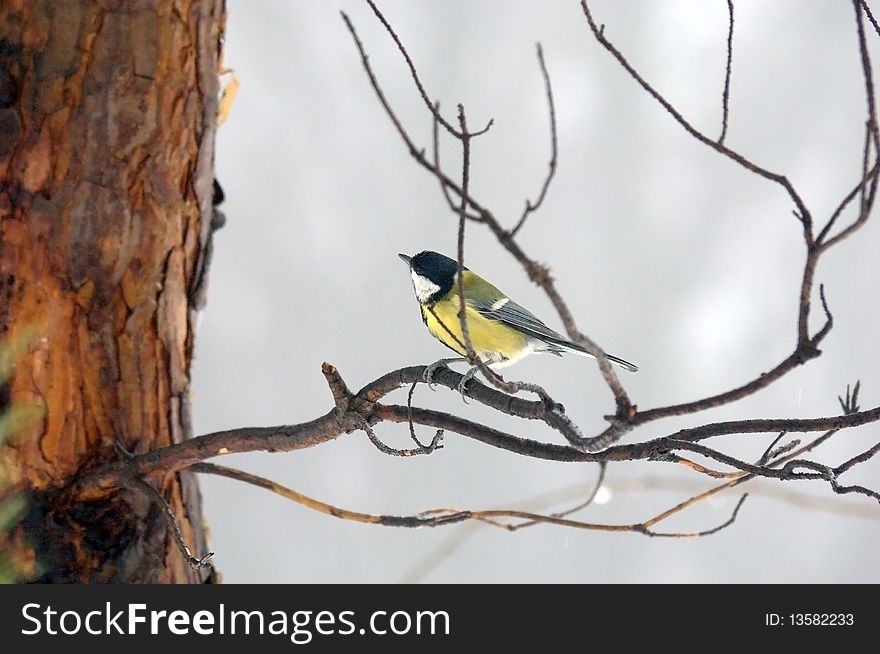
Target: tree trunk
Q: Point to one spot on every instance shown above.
(107, 121)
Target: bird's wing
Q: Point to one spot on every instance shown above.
(520, 318)
(507, 311)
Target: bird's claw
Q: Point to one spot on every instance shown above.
(462, 385)
(431, 370)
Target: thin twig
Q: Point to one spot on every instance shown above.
(392, 451)
(600, 479)
(768, 452)
(867, 187)
(759, 383)
(642, 450)
(531, 207)
(797, 468)
(743, 477)
(435, 109)
(806, 349)
(782, 180)
(865, 58)
(857, 488)
(860, 458)
(195, 562)
(851, 403)
(697, 467)
(870, 16)
(443, 517)
(707, 532)
(435, 132)
(465, 138)
(725, 96)
(435, 443)
(844, 203)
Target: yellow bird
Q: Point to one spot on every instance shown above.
(502, 332)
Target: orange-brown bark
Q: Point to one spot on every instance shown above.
(107, 119)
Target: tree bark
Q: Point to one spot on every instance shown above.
(107, 122)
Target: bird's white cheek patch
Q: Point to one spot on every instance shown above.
(424, 287)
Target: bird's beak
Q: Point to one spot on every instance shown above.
(405, 258)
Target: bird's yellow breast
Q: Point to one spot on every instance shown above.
(493, 341)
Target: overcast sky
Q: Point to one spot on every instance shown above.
(669, 256)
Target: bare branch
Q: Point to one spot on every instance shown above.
(194, 562)
(767, 426)
(870, 16)
(392, 451)
(603, 466)
(792, 470)
(867, 188)
(782, 450)
(851, 403)
(465, 138)
(435, 109)
(531, 207)
(797, 468)
(338, 388)
(317, 505)
(443, 517)
(759, 383)
(725, 96)
(807, 346)
(844, 203)
(745, 477)
(707, 532)
(697, 467)
(364, 410)
(497, 438)
(848, 465)
(440, 177)
(861, 490)
(435, 443)
(654, 449)
(782, 180)
(769, 451)
(867, 71)
(861, 458)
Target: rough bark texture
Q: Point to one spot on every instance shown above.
(107, 120)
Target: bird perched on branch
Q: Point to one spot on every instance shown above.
(501, 331)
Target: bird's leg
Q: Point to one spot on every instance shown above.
(442, 363)
(462, 385)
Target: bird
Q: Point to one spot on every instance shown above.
(502, 332)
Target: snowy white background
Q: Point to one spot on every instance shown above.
(669, 256)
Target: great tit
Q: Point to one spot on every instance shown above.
(502, 332)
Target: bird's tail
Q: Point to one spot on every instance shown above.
(623, 363)
(569, 346)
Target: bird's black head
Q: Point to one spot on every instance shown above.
(433, 275)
